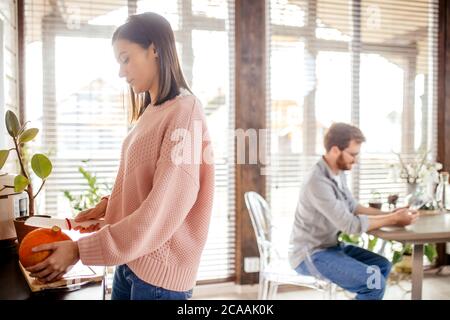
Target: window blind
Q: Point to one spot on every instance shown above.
(9, 98)
(370, 63)
(74, 95)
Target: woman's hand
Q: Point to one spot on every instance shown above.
(94, 213)
(64, 256)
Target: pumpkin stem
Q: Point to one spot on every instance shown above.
(56, 229)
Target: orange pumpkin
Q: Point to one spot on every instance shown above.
(35, 238)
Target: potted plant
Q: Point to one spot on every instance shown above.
(40, 164)
(417, 171)
(92, 196)
(375, 201)
(402, 256)
(392, 201)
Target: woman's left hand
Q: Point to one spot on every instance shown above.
(64, 256)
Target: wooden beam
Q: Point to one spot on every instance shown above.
(443, 152)
(250, 17)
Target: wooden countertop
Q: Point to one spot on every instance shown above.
(15, 287)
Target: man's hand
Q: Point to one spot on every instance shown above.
(400, 208)
(405, 216)
(400, 217)
(64, 256)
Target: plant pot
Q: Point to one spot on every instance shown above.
(405, 265)
(21, 229)
(376, 205)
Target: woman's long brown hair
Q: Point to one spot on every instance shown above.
(150, 28)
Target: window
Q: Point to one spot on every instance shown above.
(2, 89)
(9, 98)
(370, 63)
(74, 94)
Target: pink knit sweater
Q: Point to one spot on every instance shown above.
(160, 206)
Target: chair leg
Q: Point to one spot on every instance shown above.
(383, 246)
(260, 286)
(273, 288)
(263, 288)
(330, 291)
(259, 292)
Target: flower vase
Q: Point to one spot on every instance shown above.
(412, 188)
(419, 198)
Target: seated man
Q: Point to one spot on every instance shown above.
(326, 207)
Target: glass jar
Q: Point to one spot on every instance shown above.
(443, 192)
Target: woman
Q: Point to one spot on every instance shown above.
(159, 210)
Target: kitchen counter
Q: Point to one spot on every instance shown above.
(15, 287)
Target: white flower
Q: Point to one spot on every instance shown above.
(418, 170)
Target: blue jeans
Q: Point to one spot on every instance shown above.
(127, 286)
(352, 268)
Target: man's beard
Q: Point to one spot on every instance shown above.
(341, 164)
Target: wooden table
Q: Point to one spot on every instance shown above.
(433, 228)
(13, 285)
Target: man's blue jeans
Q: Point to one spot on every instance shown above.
(127, 286)
(352, 268)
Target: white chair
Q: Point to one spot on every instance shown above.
(274, 270)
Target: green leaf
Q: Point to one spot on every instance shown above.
(20, 183)
(12, 124)
(372, 243)
(397, 257)
(28, 135)
(41, 165)
(408, 249)
(3, 157)
(430, 252)
(354, 239)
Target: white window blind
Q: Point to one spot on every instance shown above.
(74, 95)
(370, 63)
(2, 87)
(9, 98)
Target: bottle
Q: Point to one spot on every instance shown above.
(443, 192)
